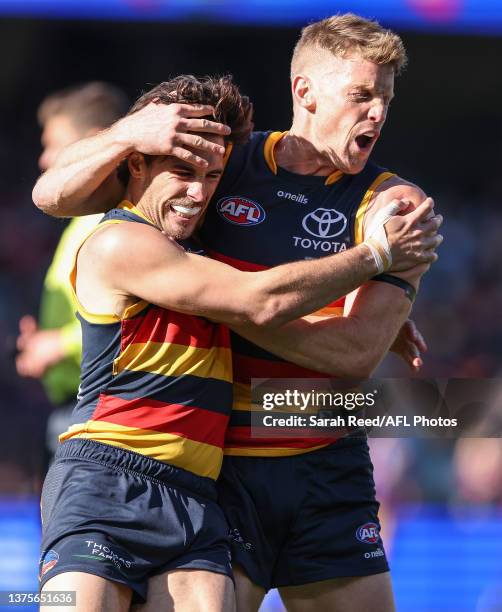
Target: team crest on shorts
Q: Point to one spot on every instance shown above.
(48, 560)
(369, 533)
(240, 211)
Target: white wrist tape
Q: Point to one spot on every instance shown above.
(378, 255)
(376, 236)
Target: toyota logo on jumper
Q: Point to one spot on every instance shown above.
(324, 223)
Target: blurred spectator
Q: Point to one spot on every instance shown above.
(478, 460)
(478, 463)
(50, 348)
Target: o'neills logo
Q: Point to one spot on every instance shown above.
(240, 211)
(296, 197)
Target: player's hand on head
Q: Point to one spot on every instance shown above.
(174, 129)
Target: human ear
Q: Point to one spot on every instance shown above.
(303, 92)
(137, 165)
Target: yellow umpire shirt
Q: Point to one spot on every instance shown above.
(57, 311)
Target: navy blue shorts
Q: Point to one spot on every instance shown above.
(306, 518)
(126, 517)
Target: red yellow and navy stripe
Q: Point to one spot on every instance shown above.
(155, 381)
(250, 361)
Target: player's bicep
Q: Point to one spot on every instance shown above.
(394, 188)
(204, 287)
(159, 271)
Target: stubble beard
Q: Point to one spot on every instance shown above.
(176, 231)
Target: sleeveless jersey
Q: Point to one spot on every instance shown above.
(263, 216)
(154, 381)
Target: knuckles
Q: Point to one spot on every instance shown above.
(176, 109)
(171, 134)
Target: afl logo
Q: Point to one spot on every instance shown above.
(48, 561)
(240, 211)
(324, 223)
(368, 533)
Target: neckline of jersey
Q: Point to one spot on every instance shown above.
(268, 150)
(130, 207)
(187, 243)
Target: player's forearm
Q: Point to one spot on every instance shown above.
(344, 347)
(221, 293)
(291, 291)
(78, 184)
(323, 346)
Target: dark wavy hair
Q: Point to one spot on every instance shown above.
(230, 106)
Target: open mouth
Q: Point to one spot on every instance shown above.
(364, 141)
(186, 212)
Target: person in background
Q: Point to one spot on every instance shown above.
(50, 349)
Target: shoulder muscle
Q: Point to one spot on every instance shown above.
(395, 188)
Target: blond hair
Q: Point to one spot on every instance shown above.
(89, 105)
(343, 34)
